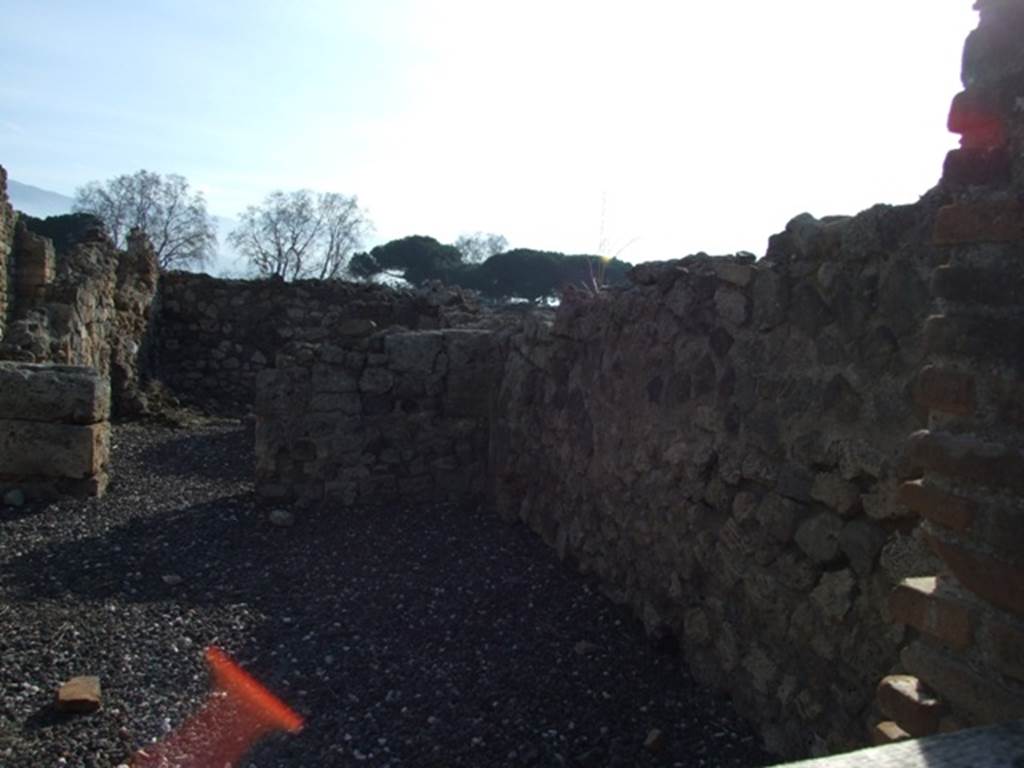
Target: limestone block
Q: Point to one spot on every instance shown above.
(53, 393)
(37, 449)
(414, 351)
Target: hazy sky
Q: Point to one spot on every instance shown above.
(679, 125)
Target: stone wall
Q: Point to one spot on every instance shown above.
(963, 662)
(722, 443)
(7, 223)
(54, 430)
(89, 306)
(378, 418)
(216, 336)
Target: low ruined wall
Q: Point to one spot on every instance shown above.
(370, 420)
(722, 443)
(216, 336)
(54, 430)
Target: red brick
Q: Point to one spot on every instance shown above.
(977, 167)
(918, 603)
(966, 458)
(977, 338)
(999, 284)
(953, 512)
(977, 119)
(982, 698)
(995, 580)
(887, 732)
(910, 704)
(1008, 397)
(990, 221)
(1007, 648)
(945, 390)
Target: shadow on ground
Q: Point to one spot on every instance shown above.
(421, 636)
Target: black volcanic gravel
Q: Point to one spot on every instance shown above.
(427, 636)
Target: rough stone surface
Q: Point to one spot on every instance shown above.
(215, 337)
(64, 393)
(398, 415)
(54, 430)
(92, 309)
(39, 449)
(8, 218)
(722, 444)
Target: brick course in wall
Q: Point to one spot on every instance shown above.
(967, 620)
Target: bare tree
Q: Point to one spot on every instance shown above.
(174, 218)
(480, 246)
(299, 235)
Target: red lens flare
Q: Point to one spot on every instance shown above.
(238, 713)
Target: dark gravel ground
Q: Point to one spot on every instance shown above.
(420, 637)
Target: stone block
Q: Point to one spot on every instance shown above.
(414, 352)
(834, 594)
(953, 512)
(376, 381)
(731, 306)
(38, 449)
(910, 704)
(818, 537)
(79, 695)
(861, 541)
(333, 380)
(53, 393)
(989, 221)
(923, 604)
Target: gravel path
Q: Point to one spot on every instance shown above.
(417, 637)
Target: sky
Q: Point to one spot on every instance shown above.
(647, 129)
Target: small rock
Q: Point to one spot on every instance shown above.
(14, 498)
(172, 579)
(655, 741)
(282, 518)
(79, 695)
(584, 648)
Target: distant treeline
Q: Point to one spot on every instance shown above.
(519, 273)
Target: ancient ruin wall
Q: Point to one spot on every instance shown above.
(962, 662)
(722, 444)
(88, 306)
(376, 419)
(7, 223)
(216, 336)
